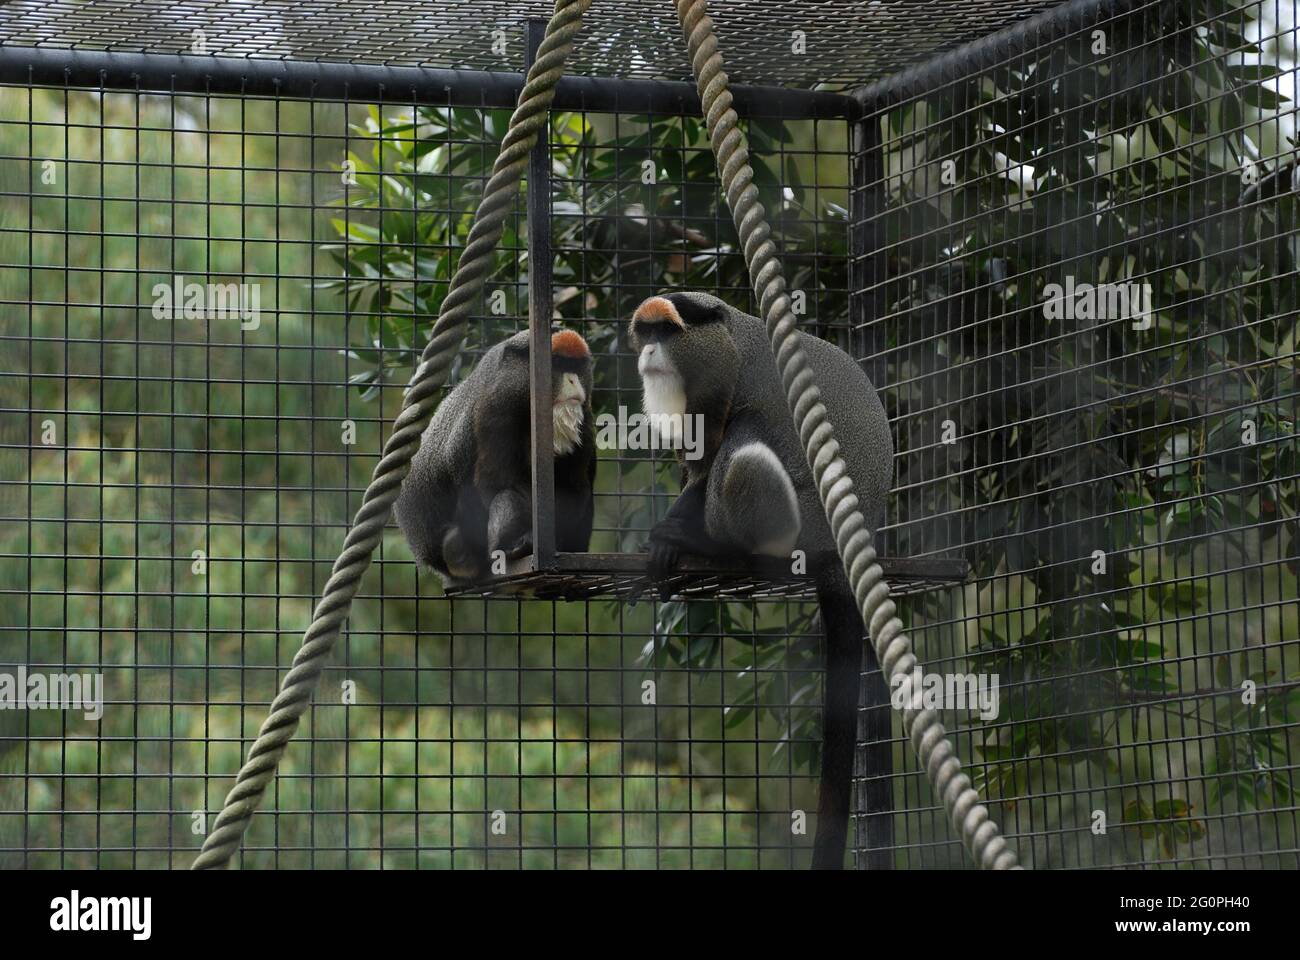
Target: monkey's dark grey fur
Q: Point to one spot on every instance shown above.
(753, 492)
(469, 492)
(730, 377)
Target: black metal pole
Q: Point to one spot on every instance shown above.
(243, 76)
(540, 306)
(868, 249)
(874, 799)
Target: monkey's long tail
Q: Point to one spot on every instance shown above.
(842, 628)
(969, 817)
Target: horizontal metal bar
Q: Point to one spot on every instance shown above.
(972, 58)
(299, 79)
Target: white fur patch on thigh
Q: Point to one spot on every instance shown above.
(769, 464)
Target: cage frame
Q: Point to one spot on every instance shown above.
(547, 573)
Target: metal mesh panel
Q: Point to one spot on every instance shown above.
(1119, 471)
(623, 38)
(1076, 267)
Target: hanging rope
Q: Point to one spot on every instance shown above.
(970, 818)
(421, 398)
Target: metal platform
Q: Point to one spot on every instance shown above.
(585, 576)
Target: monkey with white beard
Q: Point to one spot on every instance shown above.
(752, 492)
(469, 492)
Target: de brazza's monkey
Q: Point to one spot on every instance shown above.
(752, 492)
(469, 492)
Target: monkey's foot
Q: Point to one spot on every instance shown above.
(458, 561)
(521, 546)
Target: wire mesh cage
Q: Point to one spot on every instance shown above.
(1079, 273)
(1065, 254)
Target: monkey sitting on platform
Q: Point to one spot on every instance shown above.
(752, 492)
(469, 492)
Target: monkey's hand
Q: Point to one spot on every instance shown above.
(668, 539)
(671, 538)
(682, 530)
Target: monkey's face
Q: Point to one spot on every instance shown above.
(683, 347)
(568, 388)
(571, 381)
(571, 373)
(654, 354)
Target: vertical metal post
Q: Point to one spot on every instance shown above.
(867, 266)
(868, 258)
(539, 322)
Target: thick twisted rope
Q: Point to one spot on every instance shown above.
(418, 406)
(970, 818)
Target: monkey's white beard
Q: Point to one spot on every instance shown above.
(664, 399)
(567, 434)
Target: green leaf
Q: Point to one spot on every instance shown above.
(1252, 72)
(1264, 98)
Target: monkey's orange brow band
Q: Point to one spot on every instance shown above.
(568, 343)
(658, 310)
